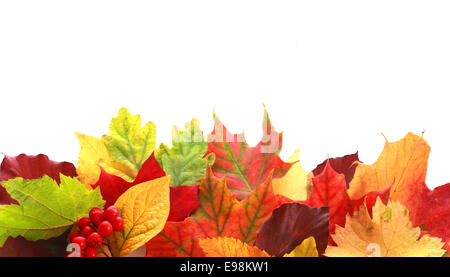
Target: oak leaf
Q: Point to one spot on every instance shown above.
(185, 161)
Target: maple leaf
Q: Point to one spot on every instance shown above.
(289, 225)
(295, 184)
(144, 209)
(388, 233)
(431, 210)
(403, 165)
(184, 162)
(344, 165)
(229, 247)
(45, 209)
(246, 167)
(219, 214)
(122, 153)
(329, 189)
(306, 249)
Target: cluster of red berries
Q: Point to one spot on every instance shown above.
(94, 228)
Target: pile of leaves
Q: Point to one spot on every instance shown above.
(219, 196)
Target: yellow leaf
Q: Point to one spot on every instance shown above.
(122, 153)
(388, 233)
(93, 155)
(93, 152)
(402, 163)
(294, 184)
(144, 209)
(229, 247)
(306, 249)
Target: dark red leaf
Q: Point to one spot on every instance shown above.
(344, 165)
(289, 225)
(31, 167)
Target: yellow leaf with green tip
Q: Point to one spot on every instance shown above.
(128, 142)
(144, 209)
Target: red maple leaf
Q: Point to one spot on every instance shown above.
(246, 167)
(219, 214)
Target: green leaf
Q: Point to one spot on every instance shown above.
(185, 161)
(45, 209)
(128, 142)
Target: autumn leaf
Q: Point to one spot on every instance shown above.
(185, 161)
(122, 153)
(343, 165)
(128, 142)
(246, 167)
(183, 202)
(431, 210)
(402, 166)
(144, 208)
(295, 183)
(31, 167)
(112, 186)
(219, 214)
(329, 189)
(388, 233)
(229, 247)
(34, 167)
(45, 209)
(289, 225)
(402, 163)
(306, 249)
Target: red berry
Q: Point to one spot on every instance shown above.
(87, 231)
(111, 213)
(90, 252)
(83, 222)
(74, 233)
(96, 216)
(105, 229)
(95, 240)
(117, 224)
(81, 241)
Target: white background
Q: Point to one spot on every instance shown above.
(334, 75)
